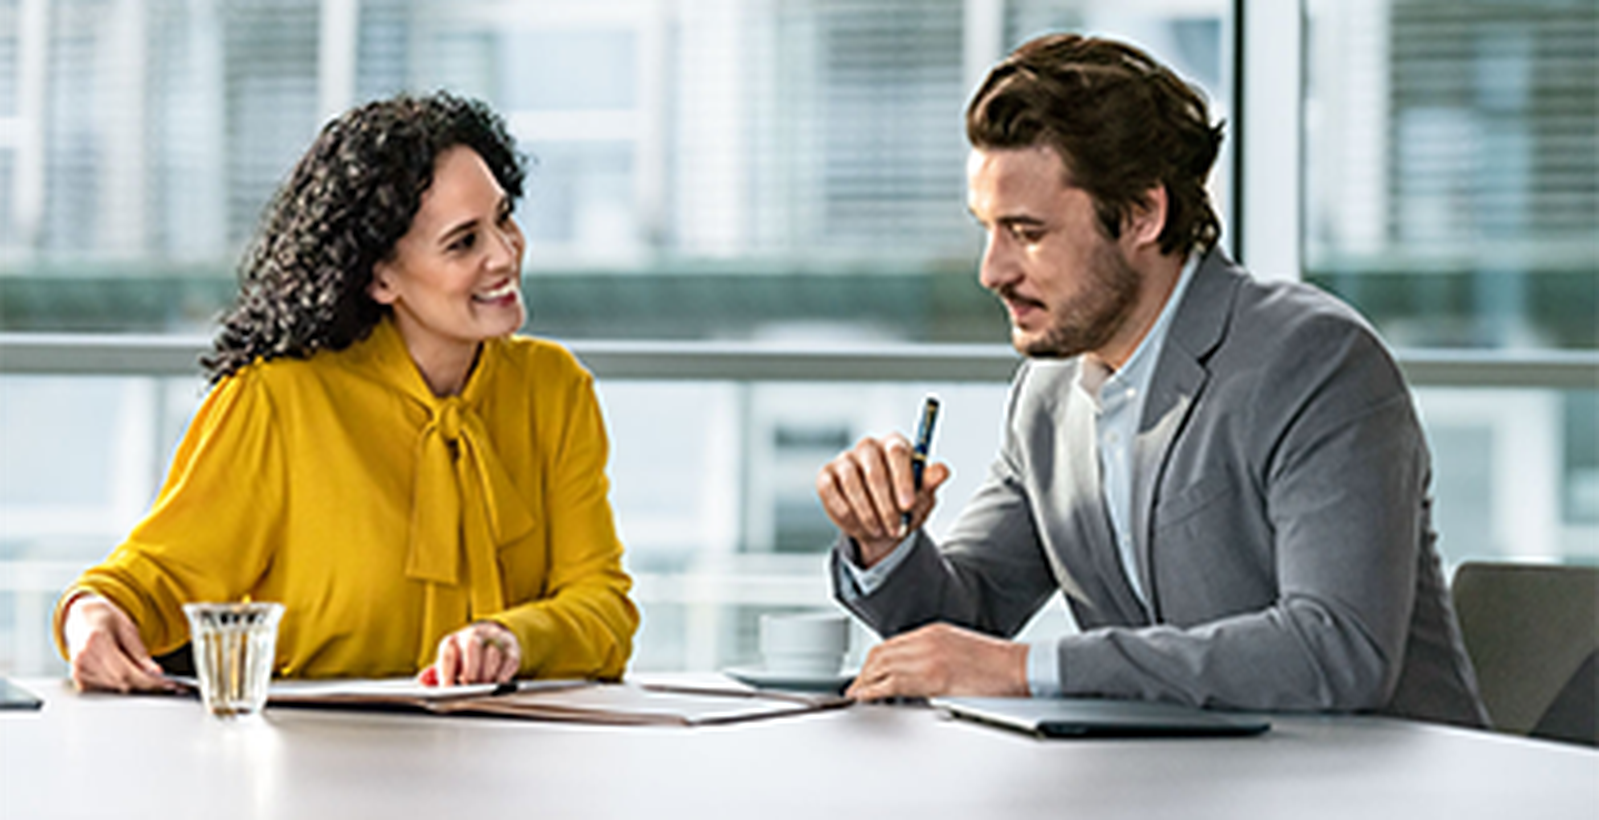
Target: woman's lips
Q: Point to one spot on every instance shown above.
(502, 294)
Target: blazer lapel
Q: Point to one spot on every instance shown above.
(1197, 328)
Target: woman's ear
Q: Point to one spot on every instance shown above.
(381, 288)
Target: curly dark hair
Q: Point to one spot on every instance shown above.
(1121, 122)
(303, 282)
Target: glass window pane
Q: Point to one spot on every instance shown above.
(1505, 483)
(1452, 194)
(750, 170)
(753, 168)
(1452, 168)
(80, 461)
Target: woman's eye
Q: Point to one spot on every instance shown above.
(464, 243)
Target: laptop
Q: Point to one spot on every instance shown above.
(1095, 717)
(13, 696)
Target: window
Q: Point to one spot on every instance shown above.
(1453, 169)
(744, 170)
(1452, 194)
(760, 171)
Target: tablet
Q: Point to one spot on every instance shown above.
(1096, 717)
(13, 696)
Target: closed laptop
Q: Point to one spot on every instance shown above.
(1096, 717)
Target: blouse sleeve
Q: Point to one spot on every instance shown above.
(583, 625)
(214, 525)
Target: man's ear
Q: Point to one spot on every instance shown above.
(381, 288)
(1146, 221)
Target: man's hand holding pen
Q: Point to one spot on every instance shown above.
(882, 490)
(877, 493)
(868, 489)
(865, 491)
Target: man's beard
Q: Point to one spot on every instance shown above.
(1095, 317)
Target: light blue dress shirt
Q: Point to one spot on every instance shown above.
(1117, 399)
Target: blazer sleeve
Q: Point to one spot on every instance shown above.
(988, 574)
(214, 526)
(583, 625)
(1339, 458)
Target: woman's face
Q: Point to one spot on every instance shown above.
(454, 278)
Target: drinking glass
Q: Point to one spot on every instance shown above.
(233, 647)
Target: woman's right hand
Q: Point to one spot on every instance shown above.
(106, 651)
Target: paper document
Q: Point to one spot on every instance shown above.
(558, 700)
(400, 689)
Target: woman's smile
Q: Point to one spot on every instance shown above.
(504, 294)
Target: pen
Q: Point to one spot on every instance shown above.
(923, 445)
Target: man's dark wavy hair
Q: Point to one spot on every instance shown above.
(303, 281)
(1121, 122)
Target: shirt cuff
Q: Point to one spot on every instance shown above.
(866, 581)
(1043, 669)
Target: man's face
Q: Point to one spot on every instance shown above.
(1068, 287)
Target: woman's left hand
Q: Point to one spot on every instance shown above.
(483, 652)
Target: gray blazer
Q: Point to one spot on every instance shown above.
(1281, 520)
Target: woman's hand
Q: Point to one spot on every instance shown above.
(106, 651)
(483, 652)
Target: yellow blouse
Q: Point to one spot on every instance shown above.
(384, 517)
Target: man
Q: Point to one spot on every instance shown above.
(1225, 476)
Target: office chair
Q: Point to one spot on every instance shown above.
(1533, 634)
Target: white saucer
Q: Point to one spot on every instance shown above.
(760, 678)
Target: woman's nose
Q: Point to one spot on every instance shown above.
(506, 251)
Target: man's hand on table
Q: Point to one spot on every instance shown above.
(941, 659)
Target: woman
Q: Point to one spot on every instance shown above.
(420, 490)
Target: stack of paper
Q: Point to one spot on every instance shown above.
(573, 701)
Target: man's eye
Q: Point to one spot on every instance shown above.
(1027, 233)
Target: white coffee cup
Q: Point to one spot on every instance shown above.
(804, 643)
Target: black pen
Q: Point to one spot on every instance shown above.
(923, 445)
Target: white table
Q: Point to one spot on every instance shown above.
(163, 757)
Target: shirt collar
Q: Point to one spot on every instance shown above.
(385, 351)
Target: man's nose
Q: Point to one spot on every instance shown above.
(998, 266)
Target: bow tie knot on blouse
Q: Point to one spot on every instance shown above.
(463, 506)
(447, 422)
